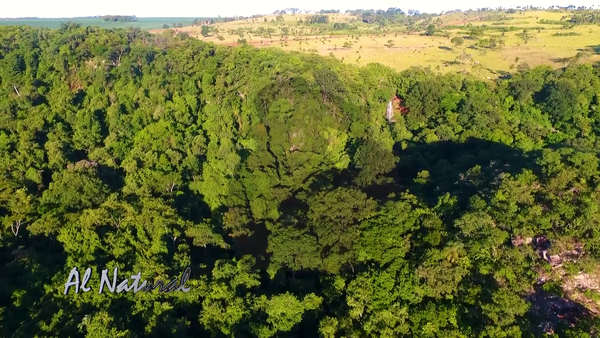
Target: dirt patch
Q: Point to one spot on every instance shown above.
(520, 241)
(585, 282)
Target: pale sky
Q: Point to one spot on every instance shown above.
(203, 8)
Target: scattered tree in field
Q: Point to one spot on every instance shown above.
(240, 32)
(205, 30)
(525, 35)
(465, 58)
(500, 44)
(457, 41)
(314, 19)
(475, 33)
(431, 29)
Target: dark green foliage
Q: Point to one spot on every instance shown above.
(276, 177)
(340, 26)
(205, 31)
(119, 18)
(457, 41)
(430, 31)
(585, 18)
(313, 19)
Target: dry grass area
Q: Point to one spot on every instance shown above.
(437, 52)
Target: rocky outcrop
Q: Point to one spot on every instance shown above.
(83, 164)
(574, 304)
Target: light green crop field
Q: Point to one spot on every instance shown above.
(143, 23)
(400, 49)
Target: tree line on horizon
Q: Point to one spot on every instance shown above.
(119, 18)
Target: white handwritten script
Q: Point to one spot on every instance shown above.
(74, 281)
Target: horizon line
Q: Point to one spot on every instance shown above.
(525, 7)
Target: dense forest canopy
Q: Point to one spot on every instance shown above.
(300, 210)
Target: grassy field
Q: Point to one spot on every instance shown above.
(143, 23)
(366, 44)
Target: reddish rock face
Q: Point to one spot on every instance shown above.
(397, 105)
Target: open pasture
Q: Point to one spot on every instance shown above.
(400, 48)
